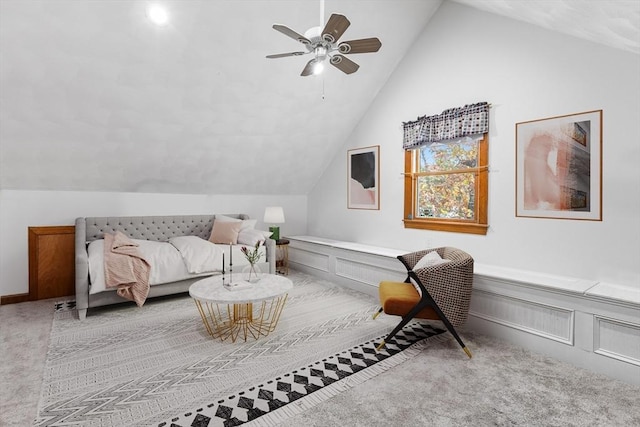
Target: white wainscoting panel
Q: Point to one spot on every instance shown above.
(310, 258)
(616, 339)
(589, 324)
(366, 272)
(548, 321)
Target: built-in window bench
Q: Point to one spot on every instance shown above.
(590, 324)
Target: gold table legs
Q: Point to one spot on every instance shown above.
(241, 320)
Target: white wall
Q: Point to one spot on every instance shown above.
(22, 209)
(526, 73)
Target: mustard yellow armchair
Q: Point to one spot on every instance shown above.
(438, 287)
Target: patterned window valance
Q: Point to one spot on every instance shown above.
(450, 124)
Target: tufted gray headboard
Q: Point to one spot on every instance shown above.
(158, 228)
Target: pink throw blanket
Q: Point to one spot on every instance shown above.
(125, 268)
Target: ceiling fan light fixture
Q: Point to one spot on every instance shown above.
(318, 67)
(321, 53)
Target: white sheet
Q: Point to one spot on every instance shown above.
(199, 255)
(167, 264)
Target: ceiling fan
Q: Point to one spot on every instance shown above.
(323, 44)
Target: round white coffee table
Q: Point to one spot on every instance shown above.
(242, 310)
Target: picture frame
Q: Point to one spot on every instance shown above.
(363, 178)
(559, 167)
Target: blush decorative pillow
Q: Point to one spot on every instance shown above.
(245, 224)
(225, 232)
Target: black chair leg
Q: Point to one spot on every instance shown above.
(405, 319)
(450, 328)
(377, 313)
(424, 302)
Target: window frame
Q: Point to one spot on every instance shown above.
(477, 226)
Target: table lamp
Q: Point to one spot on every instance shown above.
(274, 215)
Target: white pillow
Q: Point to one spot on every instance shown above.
(199, 255)
(429, 260)
(224, 218)
(251, 236)
(246, 224)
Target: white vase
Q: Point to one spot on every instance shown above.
(251, 273)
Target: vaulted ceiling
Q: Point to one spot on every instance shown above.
(94, 97)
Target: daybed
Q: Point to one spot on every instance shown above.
(145, 230)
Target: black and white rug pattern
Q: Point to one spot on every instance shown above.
(61, 306)
(126, 366)
(289, 394)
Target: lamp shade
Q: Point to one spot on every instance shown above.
(273, 215)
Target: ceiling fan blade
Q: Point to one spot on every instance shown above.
(336, 26)
(284, 55)
(308, 69)
(372, 44)
(290, 33)
(344, 64)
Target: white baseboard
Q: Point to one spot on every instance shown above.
(568, 319)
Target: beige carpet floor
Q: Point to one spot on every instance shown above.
(502, 385)
(24, 339)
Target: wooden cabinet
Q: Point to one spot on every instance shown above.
(51, 262)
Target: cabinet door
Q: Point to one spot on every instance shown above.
(51, 262)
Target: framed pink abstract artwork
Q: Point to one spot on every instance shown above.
(559, 167)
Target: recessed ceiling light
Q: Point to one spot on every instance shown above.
(157, 14)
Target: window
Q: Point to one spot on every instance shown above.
(445, 186)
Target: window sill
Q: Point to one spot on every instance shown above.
(456, 227)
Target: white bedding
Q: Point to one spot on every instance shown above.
(199, 255)
(167, 262)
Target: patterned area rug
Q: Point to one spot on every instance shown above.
(157, 366)
(296, 391)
